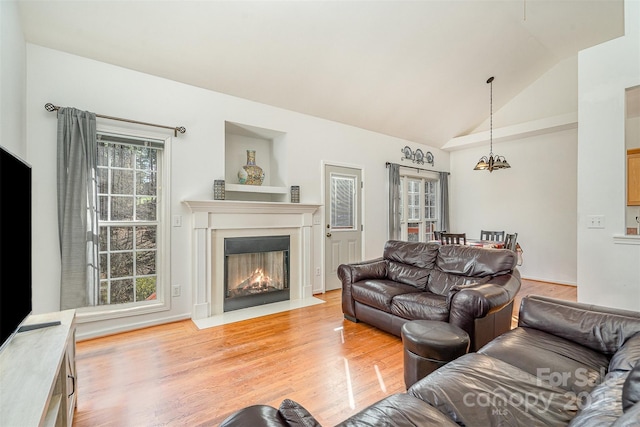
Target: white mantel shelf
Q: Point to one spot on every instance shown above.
(234, 206)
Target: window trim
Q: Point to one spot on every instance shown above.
(163, 302)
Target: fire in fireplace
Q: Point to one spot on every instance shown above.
(256, 271)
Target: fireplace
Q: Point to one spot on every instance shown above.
(213, 221)
(256, 271)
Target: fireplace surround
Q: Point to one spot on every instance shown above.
(215, 220)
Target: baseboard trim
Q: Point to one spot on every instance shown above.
(552, 281)
(112, 330)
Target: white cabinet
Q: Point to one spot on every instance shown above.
(38, 383)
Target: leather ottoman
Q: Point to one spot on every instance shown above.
(429, 344)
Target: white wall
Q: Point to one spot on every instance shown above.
(12, 80)
(198, 158)
(536, 197)
(608, 269)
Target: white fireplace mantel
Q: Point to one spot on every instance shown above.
(241, 207)
(213, 220)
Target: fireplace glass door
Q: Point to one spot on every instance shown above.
(256, 271)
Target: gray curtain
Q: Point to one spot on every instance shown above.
(444, 201)
(77, 207)
(394, 202)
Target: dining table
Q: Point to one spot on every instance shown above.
(480, 243)
(485, 243)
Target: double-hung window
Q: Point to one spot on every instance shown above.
(418, 207)
(131, 175)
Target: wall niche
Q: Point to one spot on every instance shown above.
(270, 155)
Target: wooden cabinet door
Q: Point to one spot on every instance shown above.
(633, 177)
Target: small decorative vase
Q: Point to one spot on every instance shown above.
(251, 174)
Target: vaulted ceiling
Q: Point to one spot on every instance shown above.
(411, 69)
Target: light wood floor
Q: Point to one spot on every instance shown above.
(177, 375)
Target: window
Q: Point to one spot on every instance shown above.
(343, 202)
(418, 208)
(130, 177)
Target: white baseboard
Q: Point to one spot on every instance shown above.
(111, 330)
(555, 281)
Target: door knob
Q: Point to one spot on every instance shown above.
(328, 234)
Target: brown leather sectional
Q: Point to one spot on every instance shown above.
(470, 287)
(565, 364)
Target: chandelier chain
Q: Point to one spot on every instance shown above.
(491, 116)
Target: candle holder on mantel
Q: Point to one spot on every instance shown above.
(218, 189)
(295, 194)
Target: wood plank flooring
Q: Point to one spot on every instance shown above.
(177, 375)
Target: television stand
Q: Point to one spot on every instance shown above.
(34, 326)
(38, 372)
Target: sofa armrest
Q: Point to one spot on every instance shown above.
(351, 273)
(255, 415)
(289, 414)
(473, 301)
(603, 329)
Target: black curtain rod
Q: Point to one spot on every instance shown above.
(387, 164)
(50, 108)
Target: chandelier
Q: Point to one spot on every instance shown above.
(492, 162)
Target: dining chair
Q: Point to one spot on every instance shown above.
(510, 241)
(453, 238)
(437, 234)
(494, 236)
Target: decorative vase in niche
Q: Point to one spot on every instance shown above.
(251, 174)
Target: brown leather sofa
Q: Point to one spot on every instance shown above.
(565, 364)
(470, 287)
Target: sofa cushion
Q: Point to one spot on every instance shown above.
(601, 407)
(379, 293)
(441, 283)
(631, 389)
(475, 262)
(408, 274)
(420, 305)
(398, 410)
(553, 359)
(477, 389)
(627, 355)
(417, 254)
(296, 415)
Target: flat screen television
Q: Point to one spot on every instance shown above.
(15, 244)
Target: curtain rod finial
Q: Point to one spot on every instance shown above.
(50, 107)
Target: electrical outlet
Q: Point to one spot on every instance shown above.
(317, 271)
(175, 291)
(595, 221)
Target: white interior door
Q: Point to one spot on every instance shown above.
(343, 220)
